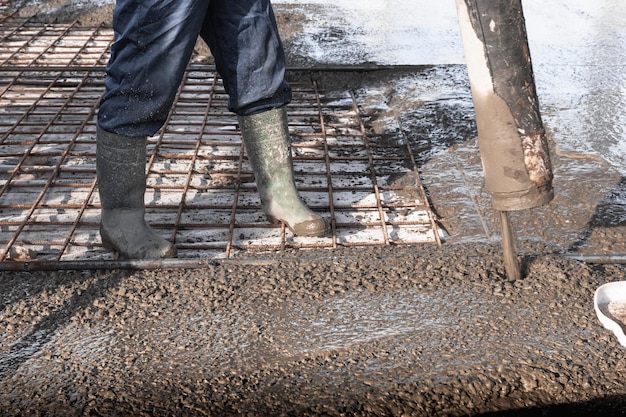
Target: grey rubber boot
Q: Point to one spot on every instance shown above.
(266, 138)
(121, 170)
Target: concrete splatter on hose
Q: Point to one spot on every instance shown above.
(511, 136)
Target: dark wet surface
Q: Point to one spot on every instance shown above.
(399, 331)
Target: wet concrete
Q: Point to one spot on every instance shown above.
(440, 333)
(398, 331)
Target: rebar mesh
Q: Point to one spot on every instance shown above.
(201, 192)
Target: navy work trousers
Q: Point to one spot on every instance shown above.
(154, 40)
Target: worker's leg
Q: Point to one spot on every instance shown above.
(249, 55)
(154, 40)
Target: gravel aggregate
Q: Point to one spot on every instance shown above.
(429, 331)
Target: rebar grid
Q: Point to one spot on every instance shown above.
(201, 192)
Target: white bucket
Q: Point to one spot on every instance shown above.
(610, 305)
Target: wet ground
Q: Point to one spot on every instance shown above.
(425, 330)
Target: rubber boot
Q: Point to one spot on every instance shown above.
(121, 171)
(266, 138)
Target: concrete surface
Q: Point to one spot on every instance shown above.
(396, 331)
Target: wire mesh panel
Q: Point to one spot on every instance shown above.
(201, 192)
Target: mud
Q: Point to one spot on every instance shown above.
(381, 331)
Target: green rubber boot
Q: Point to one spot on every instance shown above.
(121, 171)
(266, 138)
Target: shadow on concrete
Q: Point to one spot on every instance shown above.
(47, 326)
(610, 213)
(609, 406)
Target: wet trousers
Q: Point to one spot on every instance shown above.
(154, 40)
